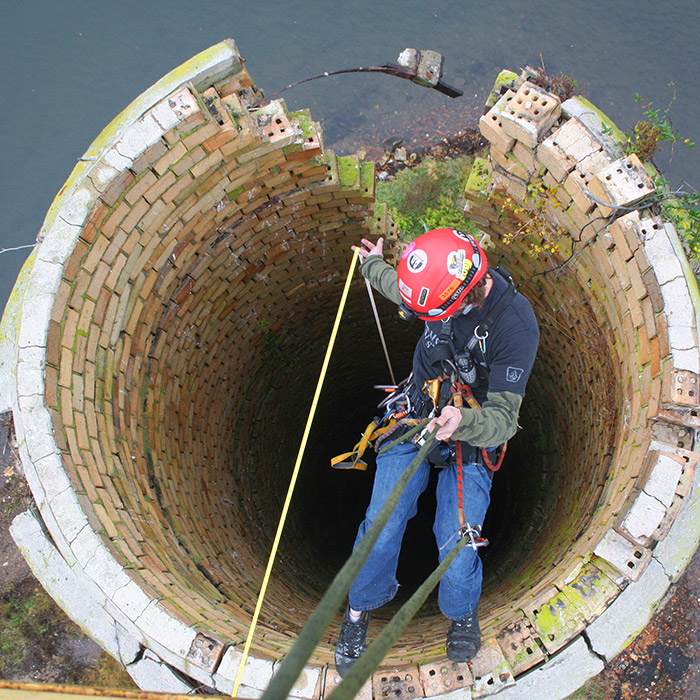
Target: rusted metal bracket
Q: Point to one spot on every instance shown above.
(420, 67)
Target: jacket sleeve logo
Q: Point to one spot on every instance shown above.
(513, 374)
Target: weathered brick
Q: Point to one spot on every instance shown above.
(139, 187)
(621, 184)
(529, 114)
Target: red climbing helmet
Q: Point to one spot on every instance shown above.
(437, 270)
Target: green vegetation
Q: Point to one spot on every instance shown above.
(540, 234)
(27, 619)
(596, 689)
(681, 208)
(563, 86)
(35, 633)
(650, 133)
(428, 196)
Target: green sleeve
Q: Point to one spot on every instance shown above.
(382, 277)
(496, 422)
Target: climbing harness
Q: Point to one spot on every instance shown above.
(295, 474)
(399, 405)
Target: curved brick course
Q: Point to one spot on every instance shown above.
(198, 246)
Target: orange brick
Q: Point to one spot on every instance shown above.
(655, 353)
(649, 318)
(117, 187)
(152, 154)
(174, 154)
(96, 283)
(213, 160)
(139, 187)
(115, 218)
(97, 216)
(137, 211)
(638, 288)
(189, 160)
(159, 186)
(73, 265)
(200, 135)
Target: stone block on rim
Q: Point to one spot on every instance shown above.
(519, 645)
(333, 679)
(577, 185)
(552, 157)
(308, 684)
(591, 591)
(629, 559)
(530, 113)
(680, 497)
(257, 673)
(660, 252)
(642, 518)
(441, 676)
(490, 670)
(594, 162)
(491, 126)
(558, 621)
(684, 390)
(622, 184)
(205, 652)
(404, 682)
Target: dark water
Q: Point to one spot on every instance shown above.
(69, 67)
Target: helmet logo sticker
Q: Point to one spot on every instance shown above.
(417, 260)
(451, 289)
(423, 296)
(458, 264)
(405, 290)
(408, 250)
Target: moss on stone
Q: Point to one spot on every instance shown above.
(506, 78)
(367, 178)
(348, 171)
(479, 177)
(306, 124)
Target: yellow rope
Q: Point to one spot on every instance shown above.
(295, 473)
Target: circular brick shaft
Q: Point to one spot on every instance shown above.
(163, 341)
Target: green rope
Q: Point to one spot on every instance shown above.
(363, 668)
(309, 637)
(406, 435)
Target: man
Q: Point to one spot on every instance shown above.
(480, 332)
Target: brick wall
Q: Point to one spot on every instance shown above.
(615, 373)
(172, 319)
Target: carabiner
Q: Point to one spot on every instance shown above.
(481, 338)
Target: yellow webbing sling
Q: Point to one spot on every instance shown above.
(353, 459)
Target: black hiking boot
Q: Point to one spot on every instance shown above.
(351, 642)
(464, 638)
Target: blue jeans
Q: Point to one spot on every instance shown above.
(460, 587)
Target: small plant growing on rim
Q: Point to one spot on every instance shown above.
(535, 228)
(650, 133)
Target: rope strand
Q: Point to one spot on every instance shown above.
(295, 474)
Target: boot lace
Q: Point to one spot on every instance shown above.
(352, 637)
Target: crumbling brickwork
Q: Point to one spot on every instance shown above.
(197, 253)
